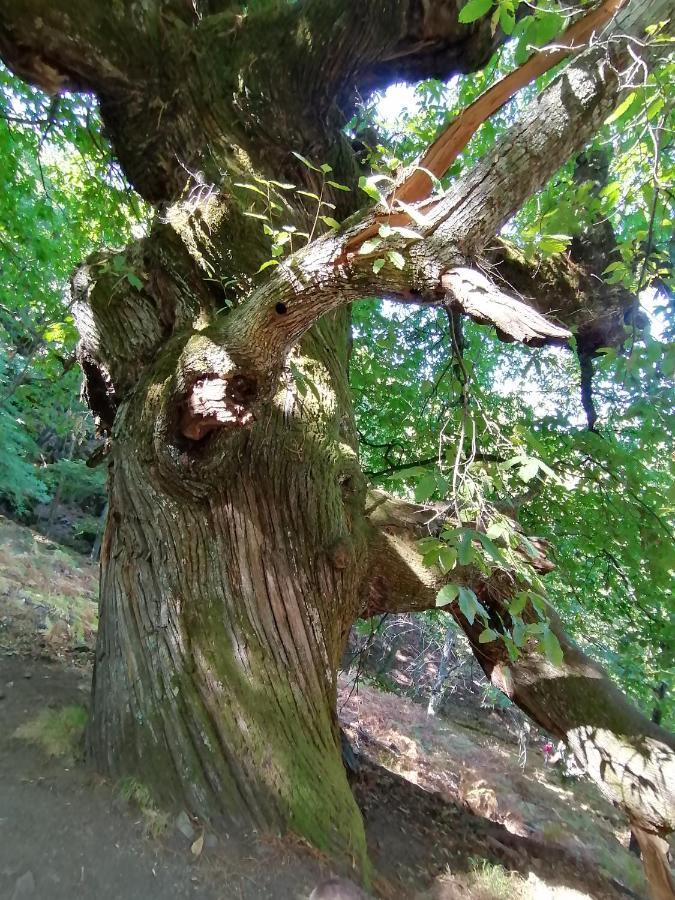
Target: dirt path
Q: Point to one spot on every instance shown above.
(64, 834)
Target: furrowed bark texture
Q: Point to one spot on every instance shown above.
(229, 585)
(630, 758)
(236, 553)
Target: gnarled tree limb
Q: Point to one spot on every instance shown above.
(631, 759)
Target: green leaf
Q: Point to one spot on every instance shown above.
(491, 548)
(396, 259)
(134, 281)
(507, 18)
(519, 633)
(468, 604)
(487, 635)
(377, 265)
(465, 551)
(551, 647)
(369, 246)
(473, 10)
(283, 185)
(554, 243)
(447, 594)
(426, 488)
(499, 531)
(622, 108)
(325, 168)
(447, 559)
(368, 188)
(305, 161)
(518, 604)
(546, 26)
(56, 332)
(538, 602)
(332, 223)
(266, 265)
(251, 187)
(338, 186)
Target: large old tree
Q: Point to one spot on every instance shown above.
(242, 540)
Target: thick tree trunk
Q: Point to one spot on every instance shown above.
(229, 583)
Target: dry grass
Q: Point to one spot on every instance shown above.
(487, 881)
(467, 765)
(47, 593)
(154, 821)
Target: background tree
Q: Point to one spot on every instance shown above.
(242, 543)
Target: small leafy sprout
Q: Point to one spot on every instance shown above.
(282, 237)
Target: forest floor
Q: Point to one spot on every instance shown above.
(450, 812)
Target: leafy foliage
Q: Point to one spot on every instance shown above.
(62, 196)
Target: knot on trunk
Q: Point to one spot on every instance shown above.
(215, 402)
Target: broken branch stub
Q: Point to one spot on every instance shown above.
(476, 296)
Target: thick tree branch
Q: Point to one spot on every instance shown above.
(167, 74)
(355, 48)
(256, 337)
(416, 185)
(566, 290)
(67, 46)
(481, 300)
(323, 277)
(630, 758)
(259, 334)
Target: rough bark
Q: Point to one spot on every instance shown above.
(228, 589)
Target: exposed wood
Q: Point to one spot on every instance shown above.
(477, 297)
(655, 850)
(416, 185)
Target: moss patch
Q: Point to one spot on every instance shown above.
(58, 732)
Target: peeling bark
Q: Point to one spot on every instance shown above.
(478, 298)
